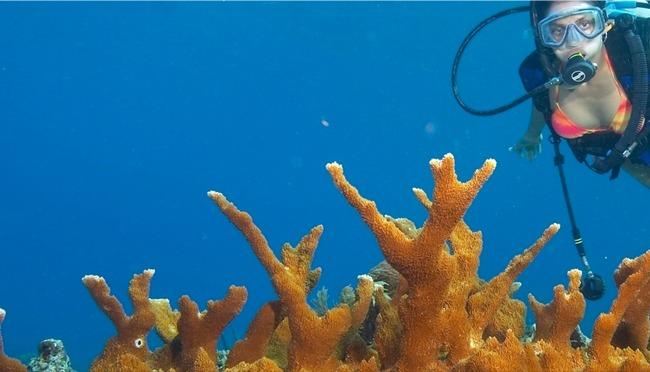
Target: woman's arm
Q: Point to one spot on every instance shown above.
(530, 144)
(536, 125)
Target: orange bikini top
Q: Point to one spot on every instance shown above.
(566, 128)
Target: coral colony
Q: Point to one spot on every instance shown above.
(438, 315)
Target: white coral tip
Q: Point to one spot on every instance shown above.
(364, 277)
(91, 278)
(149, 272)
(333, 164)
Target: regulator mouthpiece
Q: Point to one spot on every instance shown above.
(578, 70)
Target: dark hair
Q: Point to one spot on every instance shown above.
(539, 10)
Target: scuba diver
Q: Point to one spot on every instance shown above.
(588, 78)
(591, 116)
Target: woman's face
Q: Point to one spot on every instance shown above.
(590, 48)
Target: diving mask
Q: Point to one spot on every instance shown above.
(571, 26)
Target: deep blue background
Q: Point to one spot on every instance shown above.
(115, 119)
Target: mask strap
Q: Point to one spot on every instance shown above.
(608, 26)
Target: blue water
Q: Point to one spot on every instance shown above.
(116, 119)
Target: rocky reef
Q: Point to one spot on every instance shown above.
(51, 357)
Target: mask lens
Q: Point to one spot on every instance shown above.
(586, 24)
(557, 32)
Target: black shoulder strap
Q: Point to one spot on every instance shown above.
(619, 52)
(635, 133)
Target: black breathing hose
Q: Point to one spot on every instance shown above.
(459, 54)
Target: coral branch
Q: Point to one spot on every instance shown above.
(442, 322)
(556, 321)
(314, 339)
(166, 319)
(483, 304)
(199, 332)
(384, 229)
(360, 308)
(253, 234)
(8, 364)
(128, 349)
(601, 349)
(259, 333)
(353, 347)
(106, 302)
(634, 329)
(451, 198)
(388, 329)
